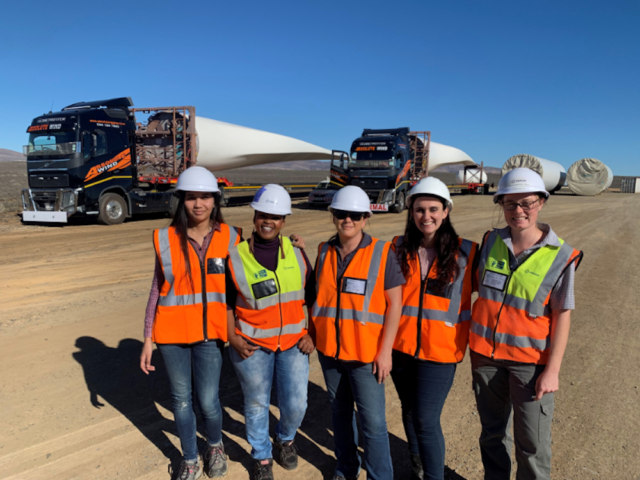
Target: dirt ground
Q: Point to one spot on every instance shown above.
(74, 404)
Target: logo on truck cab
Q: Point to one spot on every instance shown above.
(120, 161)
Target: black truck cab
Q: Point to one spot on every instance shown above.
(379, 163)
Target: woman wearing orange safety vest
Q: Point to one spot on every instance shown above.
(187, 315)
(434, 327)
(355, 317)
(519, 329)
(266, 288)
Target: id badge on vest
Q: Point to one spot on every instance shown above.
(495, 280)
(356, 286)
(215, 265)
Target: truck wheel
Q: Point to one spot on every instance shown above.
(113, 209)
(224, 199)
(173, 206)
(399, 205)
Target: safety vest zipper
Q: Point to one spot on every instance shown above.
(203, 275)
(337, 321)
(504, 299)
(279, 308)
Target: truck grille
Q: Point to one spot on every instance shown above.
(48, 180)
(370, 184)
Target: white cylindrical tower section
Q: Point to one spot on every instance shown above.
(552, 173)
(589, 177)
(471, 175)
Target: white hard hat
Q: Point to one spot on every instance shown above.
(197, 179)
(520, 180)
(431, 186)
(351, 199)
(272, 199)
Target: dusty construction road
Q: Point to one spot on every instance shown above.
(73, 403)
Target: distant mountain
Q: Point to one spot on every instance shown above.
(457, 168)
(11, 156)
(297, 165)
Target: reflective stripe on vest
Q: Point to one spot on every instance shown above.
(356, 297)
(277, 319)
(514, 323)
(436, 327)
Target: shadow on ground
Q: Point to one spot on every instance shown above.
(113, 376)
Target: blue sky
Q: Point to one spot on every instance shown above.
(560, 80)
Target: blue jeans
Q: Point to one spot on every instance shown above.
(203, 363)
(256, 375)
(349, 382)
(423, 388)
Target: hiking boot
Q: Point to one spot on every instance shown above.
(189, 471)
(215, 461)
(287, 455)
(417, 473)
(263, 469)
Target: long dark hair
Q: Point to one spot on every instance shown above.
(446, 246)
(180, 222)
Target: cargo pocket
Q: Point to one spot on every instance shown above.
(544, 422)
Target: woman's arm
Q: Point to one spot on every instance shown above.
(152, 304)
(382, 363)
(549, 382)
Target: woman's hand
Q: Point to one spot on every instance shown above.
(145, 356)
(382, 365)
(305, 344)
(548, 382)
(240, 345)
(297, 241)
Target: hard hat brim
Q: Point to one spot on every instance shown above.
(512, 190)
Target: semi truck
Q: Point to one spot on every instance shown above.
(111, 161)
(386, 163)
(94, 158)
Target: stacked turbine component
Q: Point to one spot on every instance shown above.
(471, 175)
(445, 155)
(589, 177)
(553, 174)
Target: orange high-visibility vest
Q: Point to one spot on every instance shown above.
(435, 325)
(511, 319)
(348, 314)
(269, 308)
(196, 311)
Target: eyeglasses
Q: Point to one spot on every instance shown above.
(526, 206)
(341, 215)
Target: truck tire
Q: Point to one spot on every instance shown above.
(224, 199)
(399, 205)
(173, 206)
(113, 209)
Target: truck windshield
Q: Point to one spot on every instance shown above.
(49, 144)
(369, 160)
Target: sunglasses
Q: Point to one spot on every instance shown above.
(355, 216)
(526, 206)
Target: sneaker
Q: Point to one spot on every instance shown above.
(215, 461)
(417, 473)
(263, 469)
(189, 471)
(287, 455)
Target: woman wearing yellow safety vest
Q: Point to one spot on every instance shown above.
(434, 328)
(266, 287)
(186, 315)
(519, 329)
(355, 317)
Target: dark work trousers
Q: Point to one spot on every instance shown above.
(423, 388)
(502, 387)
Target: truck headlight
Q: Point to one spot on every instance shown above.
(68, 201)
